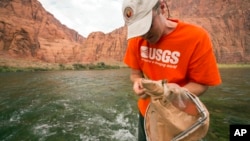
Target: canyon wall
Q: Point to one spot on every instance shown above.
(28, 31)
(227, 21)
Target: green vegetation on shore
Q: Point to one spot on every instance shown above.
(234, 65)
(98, 66)
(77, 66)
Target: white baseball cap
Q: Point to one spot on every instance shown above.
(137, 15)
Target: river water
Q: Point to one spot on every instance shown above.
(100, 105)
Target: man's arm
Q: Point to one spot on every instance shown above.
(137, 75)
(196, 88)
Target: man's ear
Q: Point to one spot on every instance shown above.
(163, 7)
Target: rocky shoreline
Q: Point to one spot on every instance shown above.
(23, 65)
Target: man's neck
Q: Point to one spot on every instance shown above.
(169, 26)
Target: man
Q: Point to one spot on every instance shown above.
(161, 48)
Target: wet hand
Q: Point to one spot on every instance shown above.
(138, 89)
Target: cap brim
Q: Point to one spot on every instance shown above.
(140, 27)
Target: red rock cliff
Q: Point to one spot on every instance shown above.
(28, 31)
(227, 21)
(108, 48)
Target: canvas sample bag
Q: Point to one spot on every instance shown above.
(174, 114)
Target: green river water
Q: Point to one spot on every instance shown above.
(100, 105)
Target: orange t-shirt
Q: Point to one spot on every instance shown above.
(183, 56)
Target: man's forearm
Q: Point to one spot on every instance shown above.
(135, 74)
(196, 88)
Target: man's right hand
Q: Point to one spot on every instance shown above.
(138, 88)
(136, 77)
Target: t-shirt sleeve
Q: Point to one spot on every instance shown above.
(203, 66)
(131, 56)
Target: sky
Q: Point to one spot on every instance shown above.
(86, 16)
